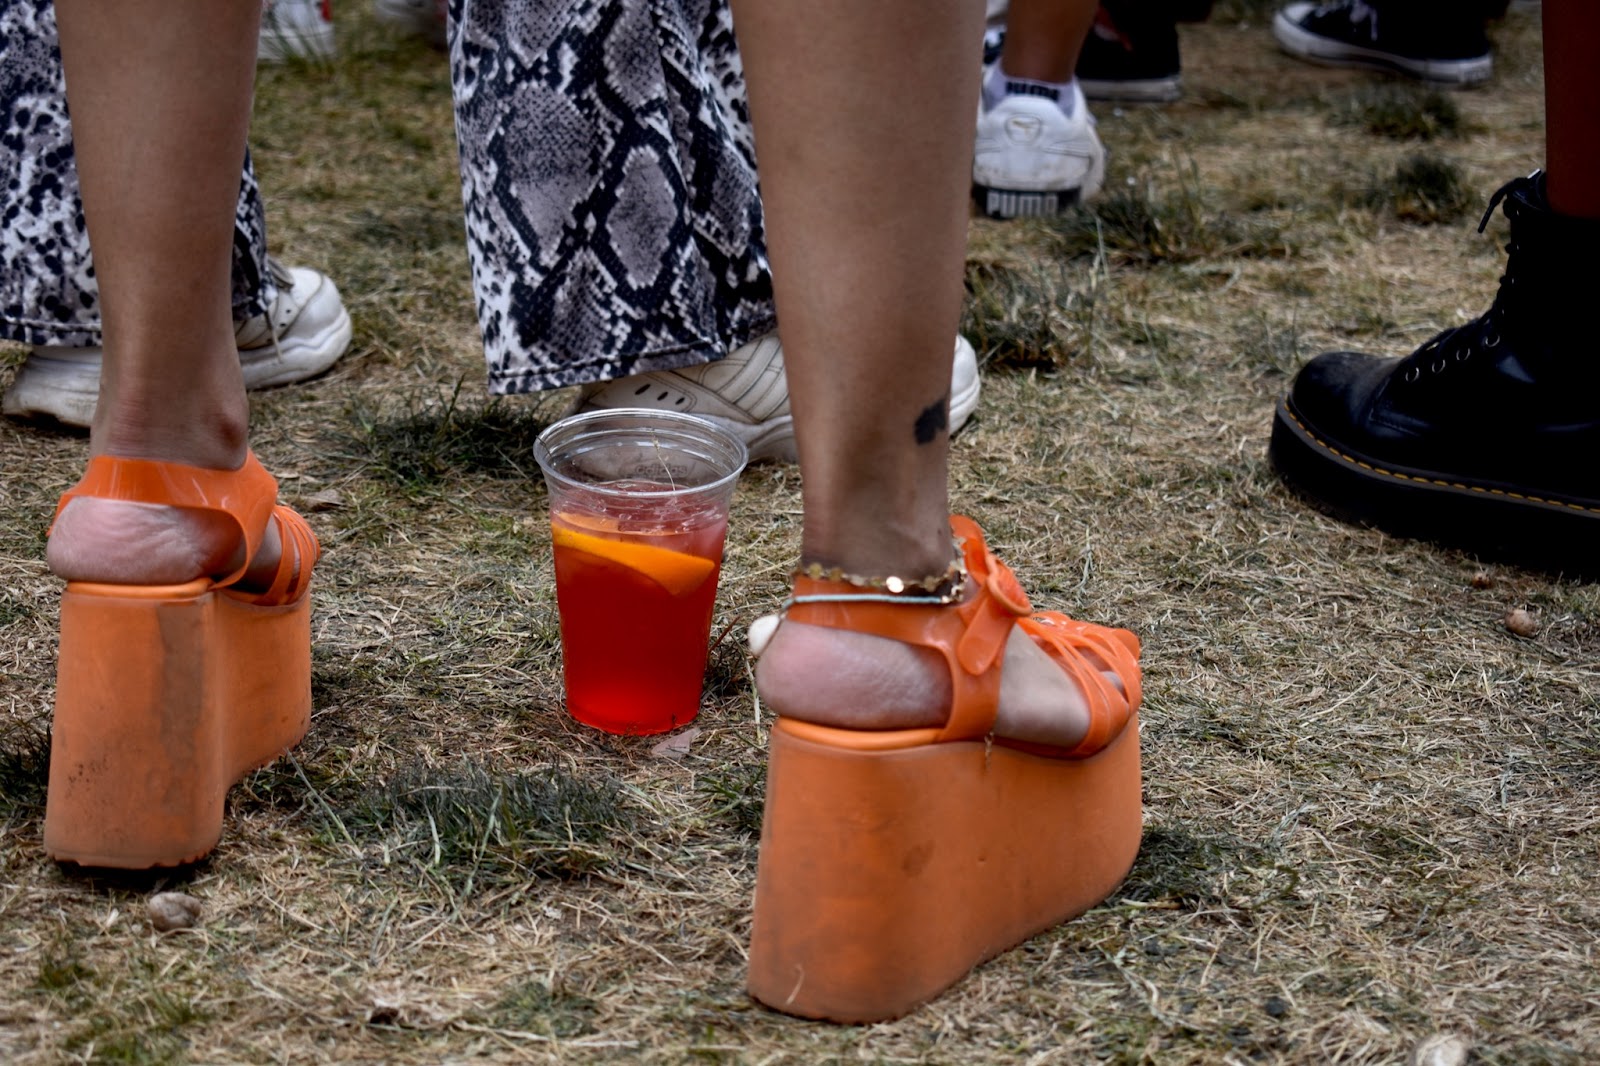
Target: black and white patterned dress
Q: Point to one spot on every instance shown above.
(613, 218)
(48, 294)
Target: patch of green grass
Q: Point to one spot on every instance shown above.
(297, 782)
(1164, 221)
(739, 792)
(13, 608)
(1424, 188)
(408, 228)
(147, 1029)
(1156, 340)
(336, 678)
(469, 824)
(24, 771)
(536, 1007)
(1024, 317)
(436, 443)
(1271, 346)
(1181, 866)
(1401, 112)
(61, 970)
(1125, 1039)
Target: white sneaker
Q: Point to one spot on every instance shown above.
(419, 18)
(305, 333)
(748, 395)
(1031, 159)
(299, 28)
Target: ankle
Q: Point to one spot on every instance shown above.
(207, 431)
(185, 406)
(878, 551)
(1001, 83)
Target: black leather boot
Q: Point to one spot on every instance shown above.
(1488, 436)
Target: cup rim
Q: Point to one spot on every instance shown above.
(719, 435)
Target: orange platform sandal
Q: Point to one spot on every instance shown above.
(893, 862)
(168, 694)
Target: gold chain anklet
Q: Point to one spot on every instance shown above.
(946, 586)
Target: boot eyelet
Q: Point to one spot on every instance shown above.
(1463, 354)
(1413, 374)
(1438, 366)
(1491, 340)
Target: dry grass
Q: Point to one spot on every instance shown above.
(1371, 810)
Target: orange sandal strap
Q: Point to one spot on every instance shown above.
(246, 495)
(970, 635)
(300, 552)
(1066, 640)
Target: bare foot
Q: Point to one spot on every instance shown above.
(126, 543)
(860, 681)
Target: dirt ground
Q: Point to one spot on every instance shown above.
(1371, 809)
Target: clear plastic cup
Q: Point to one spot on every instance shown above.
(638, 514)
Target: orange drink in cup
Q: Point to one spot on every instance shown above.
(638, 513)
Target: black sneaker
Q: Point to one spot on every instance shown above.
(1131, 54)
(1389, 35)
(1486, 436)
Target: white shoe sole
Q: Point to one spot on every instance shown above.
(277, 44)
(64, 384)
(301, 353)
(65, 390)
(772, 439)
(1303, 44)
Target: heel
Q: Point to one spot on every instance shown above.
(267, 667)
(165, 696)
(886, 875)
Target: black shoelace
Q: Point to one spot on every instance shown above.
(1459, 344)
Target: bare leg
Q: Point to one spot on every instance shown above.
(868, 281)
(1044, 37)
(1572, 121)
(160, 97)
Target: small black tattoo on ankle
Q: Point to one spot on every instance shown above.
(933, 420)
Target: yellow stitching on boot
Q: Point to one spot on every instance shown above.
(1325, 446)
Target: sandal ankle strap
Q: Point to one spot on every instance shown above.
(970, 634)
(247, 495)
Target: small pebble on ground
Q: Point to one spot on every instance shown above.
(1521, 622)
(171, 911)
(1441, 1049)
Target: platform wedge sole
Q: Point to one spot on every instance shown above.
(165, 697)
(885, 876)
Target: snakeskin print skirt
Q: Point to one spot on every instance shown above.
(48, 294)
(613, 218)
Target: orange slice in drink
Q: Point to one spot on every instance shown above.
(677, 572)
(593, 523)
